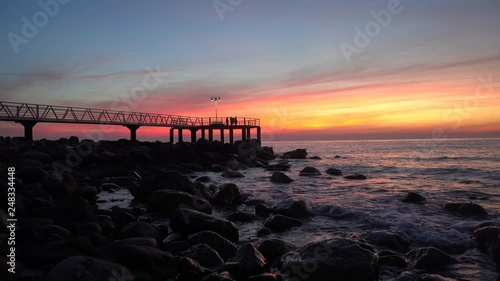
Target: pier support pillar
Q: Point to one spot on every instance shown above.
(248, 134)
(243, 134)
(193, 135)
(222, 135)
(231, 136)
(203, 133)
(133, 131)
(28, 129)
(172, 135)
(210, 134)
(180, 134)
(259, 135)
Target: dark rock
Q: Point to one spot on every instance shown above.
(431, 258)
(334, 172)
(42, 234)
(109, 251)
(250, 260)
(355, 177)
(279, 177)
(73, 268)
(159, 264)
(315, 158)
(222, 276)
(37, 155)
(310, 171)
(275, 248)
(73, 210)
(263, 277)
(281, 223)
(278, 167)
(262, 210)
(415, 198)
(406, 276)
(242, 217)
(295, 154)
(466, 209)
(434, 277)
(192, 167)
(227, 194)
(217, 168)
(393, 240)
(187, 221)
(190, 269)
(203, 179)
(177, 247)
(139, 229)
(31, 174)
(263, 232)
(80, 244)
(291, 207)
(166, 201)
(393, 261)
(123, 216)
(204, 254)
(488, 240)
(232, 174)
(223, 246)
(336, 259)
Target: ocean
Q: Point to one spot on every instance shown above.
(454, 170)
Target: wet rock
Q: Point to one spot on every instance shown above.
(190, 269)
(281, 223)
(295, 154)
(203, 179)
(37, 155)
(163, 180)
(406, 276)
(217, 168)
(279, 177)
(250, 260)
(356, 177)
(32, 174)
(204, 254)
(262, 210)
(393, 261)
(73, 268)
(159, 264)
(73, 210)
(139, 229)
(393, 240)
(242, 217)
(192, 167)
(415, 198)
(109, 251)
(466, 209)
(488, 240)
(227, 194)
(232, 174)
(309, 172)
(334, 172)
(263, 232)
(336, 259)
(315, 158)
(222, 276)
(278, 167)
(275, 248)
(434, 277)
(431, 258)
(42, 234)
(291, 207)
(166, 201)
(123, 216)
(187, 221)
(223, 246)
(79, 244)
(263, 277)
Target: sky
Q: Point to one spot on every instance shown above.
(310, 70)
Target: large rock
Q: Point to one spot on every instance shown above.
(242, 217)
(336, 259)
(488, 240)
(190, 269)
(279, 177)
(435, 277)
(163, 180)
(139, 229)
(393, 240)
(415, 198)
(334, 172)
(466, 209)
(109, 251)
(85, 268)
(295, 154)
(309, 172)
(291, 207)
(250, 260)
(32, 174)
(277, 167)
(37, 155)
(232, 174)
(281, 223)
(166, 201)
(227, 194)
(355, 177)
(159, 264)
(430, 258)
(204, 254)
(275, 248)
(188, 221)
(223, 246)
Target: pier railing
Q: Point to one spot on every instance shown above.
(13, 111)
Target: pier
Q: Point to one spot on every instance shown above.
(28, 115)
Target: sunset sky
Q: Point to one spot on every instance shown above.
(425, 66)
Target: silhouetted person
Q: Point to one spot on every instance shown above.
(227, 121)
(235, 120)
(232, 121)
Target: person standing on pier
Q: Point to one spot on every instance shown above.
(227, 121)
(235, 120)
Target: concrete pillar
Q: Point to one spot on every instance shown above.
(180, 134)
(210, 134)
(28, 129)
(172, 135)
(259, 135)
(203, 133)
(222, 135)
(231, 136)
(193, 135)
(133, 131)
(243, 134)
(248, 134)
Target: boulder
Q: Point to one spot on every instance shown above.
(250, 260)
(263, 277)
(37, 155)
(277, 167)
(32, 174)
(291, 207)
(281, 223)
(334, 172)
(393, 240)
(430, 258)
(73, 268)
(488, 240)
(217, 168)
(203, 179)
(279, 177)
(355, 177)
(415, 198)
(275, 248)
(232, 174)
(139, 229)
(109, 251)
(227, 194)
(159, 264)
(204, 254)
(190, 269)
(466, 209)
(242, 217)
(336, 259)
(295, 154)
(188, 221)
(223, 246)
(166, 201)
(262, 210)
(434, 277)
(309, 172)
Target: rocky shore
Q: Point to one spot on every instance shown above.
(174, 233)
